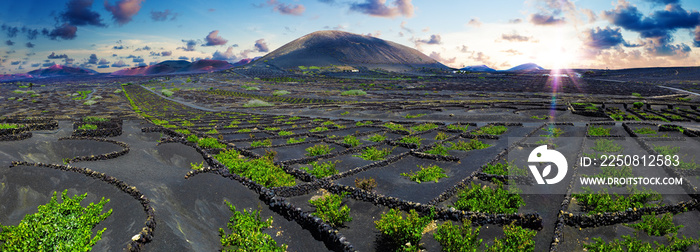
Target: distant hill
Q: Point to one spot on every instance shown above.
(176, 66)
(526, 67)
(60, 70)
(478, 68)
(343, 49)
(14, 77)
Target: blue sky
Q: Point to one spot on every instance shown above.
(110, 35)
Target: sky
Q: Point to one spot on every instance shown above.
(114, 34)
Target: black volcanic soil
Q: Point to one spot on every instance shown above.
(189, 212)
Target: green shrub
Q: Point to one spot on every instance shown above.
(285, 133)
(553, 132)
(516, 239)
(261, 143)
(666, 150)
(394, 126)
(351, 140)
(196, 166)
(473, 144)
(280, 92)
(463, 128)
(504, 169)
(355, 92)
(318, 129)
(374, 154)
(485, 199)
(409, 116)
(292, 140)
(167, 92)
(492, 130)
(257, 103)
(365, 184)
(8, 126)
(252, 88)
(598, 131)
(87, 127)
(430, 173)
(424, 127)
(247, 232)
(376, 138)
(329, 210)
(411, 140)
(441, 136)
(321, 170)
(363, 123)
(602, 201)
(94, 119)
(645, 131)
(192, 138)
(638, 105)
(629, 243)
(65, 226)
(656, 226)
(212, 131)
(244, 131)
(606, 145)
(210, 143)
(261, 170)
(319, 149)
(404, 234)
(455, 238)
(439, 150)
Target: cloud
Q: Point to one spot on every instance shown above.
(36, 65)
(10, 30)
(512, 52)
(92, 59)
(31, 33)
(103, 62)
(664, 2)
(435, 39)
(261, 45)
(29, 45)
(482, 58)
(137, 59)
(436, 56)
(119, 63)
(123, 10)
(183, 58)
(103, 66)
(696, 40)
(213, 39)
(163, 15)
(189, 45)
(9, 42)
(78, 12)
(515, 37)
(403, 27)
(376, 34)
(53, 55)
(515, 21)
(65, 31)
(14, 63)
(228, 55)
(592, 17)
(166, 53)
(378, 8)
(48, 64)
(287, 9)
(603, 38)
(145, 48)
(474, 22)
(542, 19)
(657, 27)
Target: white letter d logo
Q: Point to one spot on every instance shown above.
(542, 155)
